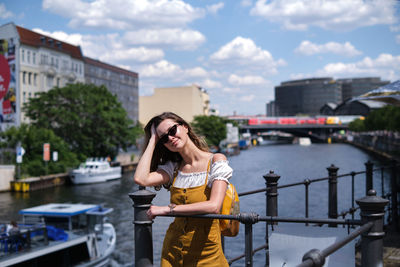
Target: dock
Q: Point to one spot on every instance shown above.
(52, 180)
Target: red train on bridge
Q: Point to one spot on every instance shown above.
(319, 120)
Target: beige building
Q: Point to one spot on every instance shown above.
(186, 101)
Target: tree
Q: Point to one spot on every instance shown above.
(357, 125)
(386, 118)
(32, 139)
(87, 117)
(213, 128)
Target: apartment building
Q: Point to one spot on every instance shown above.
(34, 63)
(120, 82)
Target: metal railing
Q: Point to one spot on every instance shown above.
(371, 224)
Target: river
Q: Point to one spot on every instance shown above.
(293, 163)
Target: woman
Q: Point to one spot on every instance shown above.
(177, 158)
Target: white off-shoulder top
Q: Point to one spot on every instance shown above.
(220, 170)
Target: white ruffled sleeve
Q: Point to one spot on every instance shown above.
(220, 170)
(169, 168)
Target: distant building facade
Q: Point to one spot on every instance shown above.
(186, 101)
(32, 63)
(320, 95)
(305, 96)
(120, 82)
(271, 110)
(358, 86)
(358, 107)
(328, 109)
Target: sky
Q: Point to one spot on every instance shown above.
(238, 51)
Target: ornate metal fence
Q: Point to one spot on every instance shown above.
(370, 227)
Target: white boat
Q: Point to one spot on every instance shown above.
(95, 170)
(60, 235)
(304, 141)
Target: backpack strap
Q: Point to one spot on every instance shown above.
(208, 169)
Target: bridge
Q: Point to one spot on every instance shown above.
(317, 132)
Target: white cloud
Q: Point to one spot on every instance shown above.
(246, 80)
(247, 98)
(246, 3)
(214, 8)
(339, 15)
(139, 54)
(175, 37)
(109, 48)
(243, 51)
(4, 13)
(161, 69)
(385, 65)
(395, 28)
(308, 48)
(208, 83)
(125, 14)
(231, 89)
(196, 72)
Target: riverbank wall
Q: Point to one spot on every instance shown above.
(7, 182)
(384, 144)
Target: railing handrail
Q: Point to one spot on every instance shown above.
(316, 255)
(243, 217)
(309, 181)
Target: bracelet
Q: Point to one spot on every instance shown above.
(171, 208)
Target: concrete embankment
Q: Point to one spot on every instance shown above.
(381, 143)
(7, 182)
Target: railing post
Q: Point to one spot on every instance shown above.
(394, 191)
(248, 219)
(143, 227)
(332, 205)
(368, 176)
(372, 210)
(271, 181)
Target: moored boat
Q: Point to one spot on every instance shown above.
(60, 235)
(95, 170)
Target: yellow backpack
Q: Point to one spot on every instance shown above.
(230, 206)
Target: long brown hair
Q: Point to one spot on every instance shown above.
(161, 154)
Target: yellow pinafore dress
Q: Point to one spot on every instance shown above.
(192, 241)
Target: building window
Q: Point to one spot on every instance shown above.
(28, 56)
(50, 81)
(56, 62)
(29, 95)
(24, 77)
(30, 78)
(23, 55)
(51, 61)
(58, 82)
(34, 58)
(35, 79)
(24, 97)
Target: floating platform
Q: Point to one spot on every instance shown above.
(52, 180)
(36, 183)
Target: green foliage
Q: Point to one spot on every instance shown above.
(87, 117)
(357, 125)
(213, 128)
(32, 139)
(386, 118)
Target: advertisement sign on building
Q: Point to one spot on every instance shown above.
(7, 82)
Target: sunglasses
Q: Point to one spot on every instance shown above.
(171, 132)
